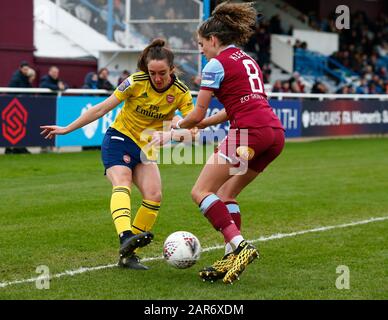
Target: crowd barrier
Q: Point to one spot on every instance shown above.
(303, 115)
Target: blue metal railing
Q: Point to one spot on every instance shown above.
(111, 21)
(315, 64)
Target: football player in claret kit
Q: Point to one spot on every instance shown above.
(150, 97)
(255, 139)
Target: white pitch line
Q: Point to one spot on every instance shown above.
(261, 239)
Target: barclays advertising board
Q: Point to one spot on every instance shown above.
(288, 111)
(70, 108)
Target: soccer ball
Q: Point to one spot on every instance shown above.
(181, 249)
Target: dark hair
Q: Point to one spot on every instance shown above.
(155, 51)
(24, 63)
(101, 70)
(230, 23)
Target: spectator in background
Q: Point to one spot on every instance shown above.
(362, 87)
(346, 89)
(264, 45)
(102, 81)
(319, 87)
(296, 83)
(303, 45)
(378, 84)
(295, 87)
(124, 75)
(277, 86)
(286, 86)
(266, 71)
(90, 81)
(297, 44)
(31, 75)
(275, 25)
(51, 80)
(20, 77)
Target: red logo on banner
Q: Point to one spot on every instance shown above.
(14, 121)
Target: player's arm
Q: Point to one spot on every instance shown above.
(177, 135)
(199, 112)
(162, 137)
(212, 76)
(94, 113)
(215, 119)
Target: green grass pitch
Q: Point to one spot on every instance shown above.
(54, 211)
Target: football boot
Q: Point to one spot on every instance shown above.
(131, 261)
(218, 269)
(135, 241)
(245, 253)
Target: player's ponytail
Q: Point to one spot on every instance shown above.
(155, 51)
(230, 23)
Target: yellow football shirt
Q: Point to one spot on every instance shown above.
(146, 110)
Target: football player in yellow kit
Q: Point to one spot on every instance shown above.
(151, 98)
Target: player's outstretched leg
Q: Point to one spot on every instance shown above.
(128, 259)
(134, 241)
(218, 269)
(245, 253)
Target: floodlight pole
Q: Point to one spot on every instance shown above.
(205, 15)
(110, 20)
(127, 21)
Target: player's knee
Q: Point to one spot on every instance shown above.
(121, 180)
(225, 196)
(194, 194)
(153, 195)
(198, 195)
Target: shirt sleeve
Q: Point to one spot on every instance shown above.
(125, 89)
(187, 104)
(212, 75)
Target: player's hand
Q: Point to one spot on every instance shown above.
(194, 131)
(50, 132)
(160, 138)
(175, 121)
(184, 135)
(61, 85)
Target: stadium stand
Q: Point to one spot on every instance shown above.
(359, 65)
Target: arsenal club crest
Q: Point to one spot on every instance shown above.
(170, 98)
(127, 158)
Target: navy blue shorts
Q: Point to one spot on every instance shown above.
(119, 149)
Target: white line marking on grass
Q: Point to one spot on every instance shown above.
(261, 239)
